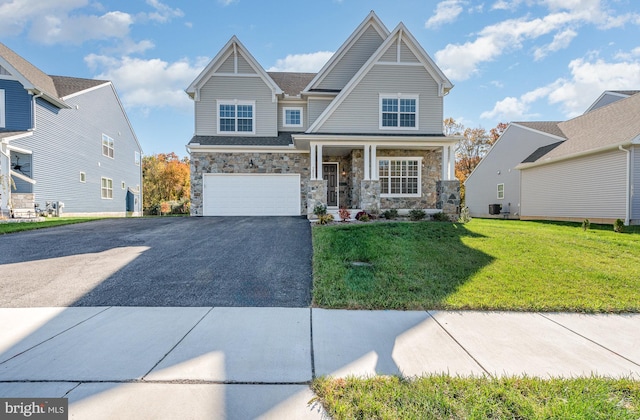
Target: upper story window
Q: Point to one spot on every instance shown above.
(236, 117)
(292, 117)
(3, 124)
(399, 111)
(399, 176)
(107, 146)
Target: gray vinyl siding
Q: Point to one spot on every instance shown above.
(406, 55)
(316, 107)
(244, 67)
(241, 88)
(635, 185)
(512, 148)
(227, 66)
(17, 107)
(305, 119)
(360, 111)
(349, 65)
(69, 141)
(590, 187)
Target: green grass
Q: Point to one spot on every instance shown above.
(484, 265)
(49, 222)
(445, 397)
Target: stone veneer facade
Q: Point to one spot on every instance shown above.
(448, 197)
(263, 163)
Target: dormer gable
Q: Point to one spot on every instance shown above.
(233, 60)
(399, 49)
(350, 57)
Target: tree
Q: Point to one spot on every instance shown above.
(497, 131)
(165, 178)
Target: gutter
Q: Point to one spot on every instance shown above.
(35, 97)
(572, 156)
(627, 209)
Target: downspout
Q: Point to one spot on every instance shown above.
(628, 189)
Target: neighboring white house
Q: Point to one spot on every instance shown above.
(589, 167)
(365, 132)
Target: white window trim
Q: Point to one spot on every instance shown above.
(292, 108)
(398, 96)
(83, 177)
(498, 191)
(396, 158)
(235, 102)
(102, 189)
(3, 122)
(110, 146)
(123, 185)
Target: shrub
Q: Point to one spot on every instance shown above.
(390, 214)
(320, 209)
(373, 211)
(344, 214)
(465, 217)
(323, 219)
(165, 207)
(586, 224)
(618, 226)
(363, 216)
(440, 217)
(416, 215)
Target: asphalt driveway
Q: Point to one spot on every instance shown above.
(198, 261)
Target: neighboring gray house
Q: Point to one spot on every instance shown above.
(64, 140)
(364, 133)
(588, 169)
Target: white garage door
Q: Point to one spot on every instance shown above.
(251, 195)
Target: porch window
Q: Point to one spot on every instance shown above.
(107, 188)
(236, 117)
(292, 117)
(399, 111)
(399, 177)
(500, 191)
(107, 146)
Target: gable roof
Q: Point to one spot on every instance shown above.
(608, 127)
(66, 86)
(614, 95)
(371, 21)
(541, 151)
(231, 47)
(548, 127)
(400, 33)
(292, 84)
(31, 77)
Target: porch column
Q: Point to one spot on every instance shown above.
(313, 162)
(374, 163)
(367, 163)
(452, 164)
(445, 163)
(319, 161)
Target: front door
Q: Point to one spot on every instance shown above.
(330, 174)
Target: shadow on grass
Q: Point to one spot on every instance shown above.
(407, 265)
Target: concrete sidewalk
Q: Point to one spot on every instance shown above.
(150, 363)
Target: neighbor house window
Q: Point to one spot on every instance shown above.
(292, 117)
(136, 158)
(399, 112)
(122, 184)
(3, 124)
(107, 187)
(107, 146)
(500, 191)
(83, 177)
(236, 117)
(399, 177)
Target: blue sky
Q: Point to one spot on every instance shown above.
(510, 60)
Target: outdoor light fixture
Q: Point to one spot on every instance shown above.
(251, 163)
(344, 173)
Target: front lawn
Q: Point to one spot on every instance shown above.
(445, 397)
(48, 222)
(484, 264)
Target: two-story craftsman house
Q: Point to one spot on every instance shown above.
(364, 133)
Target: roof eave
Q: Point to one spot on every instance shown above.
(547, 161)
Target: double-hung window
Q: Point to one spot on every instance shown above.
(107, 188)
(398, 112)
(292, 117)
(107, 146)
(399, 177)
(500, 191)
(236, 117)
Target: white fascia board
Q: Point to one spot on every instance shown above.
(242, 149)
(16, 74)
(605, 93)
(494, 145)
(6, 140)
(573, 155)
(533, 130)
(232, 46)
(636, 140)
(22, 177)
(19, 150)
(371, 20)
(64, 98)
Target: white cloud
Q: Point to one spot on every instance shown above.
(505, 5)
(589, 78)
(162, 13)
(305, 63)
(152, 83)
(447, 11)
(461, 61)
(226, 3)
